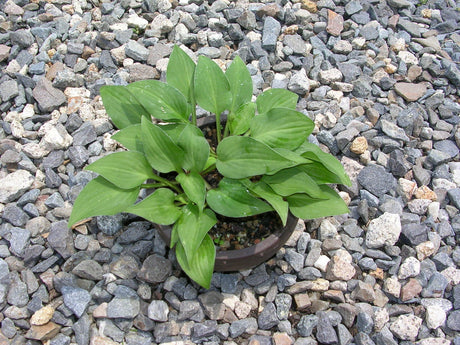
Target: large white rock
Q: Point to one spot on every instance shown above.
(14, 185)
(56, 138)
(384, 230)
(406, 327)
(435, 317)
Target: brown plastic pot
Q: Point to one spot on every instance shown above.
(241, 259)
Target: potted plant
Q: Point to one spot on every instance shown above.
(262, 158)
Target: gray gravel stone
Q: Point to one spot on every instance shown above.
(376, 180)
(155, 269)
(270, 33)
(76, 299)
(136, 51)
(48, 97)
(158, 311)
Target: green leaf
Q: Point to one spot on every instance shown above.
(130, 137)
(276, 98)
(194, 187)
(212, 90)
(232, 199)
(201, 266)
(240, 82)
(180, 72)
(240, 120)
(158, 207)
(192, 227)
(126, 169)
(306, 207)
(102, 198)
(161, 100)
(174, 130)
(196, 148)
(281, 127)
(240, 157)
(314, 153)
(121, 105)
(319, 173)
(291, 181)
(161, 152)
(264, 191)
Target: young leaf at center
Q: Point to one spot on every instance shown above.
(212, 90)
(240, 82)
(180, 72)
(194, 187)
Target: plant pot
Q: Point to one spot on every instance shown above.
(241, 259)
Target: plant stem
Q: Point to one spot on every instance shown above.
(193, 108)
(226, 129)
(218, 128)
(208, 170)
(152, 185)
(166, 182)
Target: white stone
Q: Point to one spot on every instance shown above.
(425, 249)
(419, 206)
(158, 311)
(408, 57)
(322, 262)
(137, 22)
(433, 341)
(242, 310)
(452, 274)
(17, 130)
(14, 185)
(28, 111)
(230, 300)
(331, 75)
(381, 317)
(56, 138)
(34, 150)
(406, 327)
(392, 286)
(441, 183)
(359, 42)
(384, 230)
(433, 210)
(409, 268)
(435, 317)
(161, 25)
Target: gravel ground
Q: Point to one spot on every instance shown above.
(379, 78)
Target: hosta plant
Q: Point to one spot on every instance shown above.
(262, 155)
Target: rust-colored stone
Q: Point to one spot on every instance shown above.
(334, 23)
(410, 91)
(411, 290)
(44, 332)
